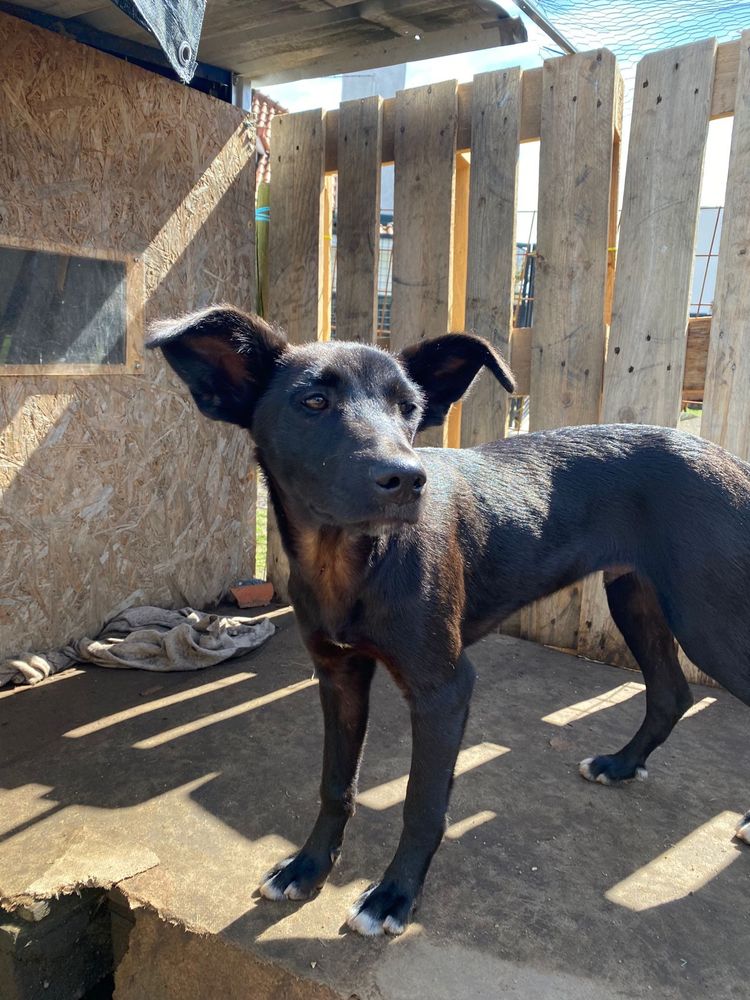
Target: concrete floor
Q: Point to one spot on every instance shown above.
(181, 790)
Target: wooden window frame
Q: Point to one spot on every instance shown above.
(134, 302)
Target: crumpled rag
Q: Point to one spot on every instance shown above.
(147, 638)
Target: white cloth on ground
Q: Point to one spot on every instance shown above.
(147, 638)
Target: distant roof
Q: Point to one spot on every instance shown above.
(264, 111)
(275, 41)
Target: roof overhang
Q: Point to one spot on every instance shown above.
(276, 41)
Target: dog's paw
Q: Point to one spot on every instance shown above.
(384, 908)
(298, 877)
(611, 769)
(743, 829)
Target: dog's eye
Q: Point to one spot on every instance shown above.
(315, 402)
(407, 408)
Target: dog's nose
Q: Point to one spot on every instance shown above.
(399, 482)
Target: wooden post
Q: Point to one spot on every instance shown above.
(425, 158)
(329, 204)
(295, 257)
(579, 108)
(459, 250)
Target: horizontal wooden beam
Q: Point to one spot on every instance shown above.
(696, 355)
(722, 106)
(367, 54)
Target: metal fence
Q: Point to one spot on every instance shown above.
(701, 299)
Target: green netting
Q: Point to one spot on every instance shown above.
(633, 28)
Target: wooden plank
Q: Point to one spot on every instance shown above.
(295, 257)
(531, 104)
(357, 55)
(724, 91)
(645, 363)
(614, 199)
(520, 358)
(579, 108)
(646, 353)
(460, 246)
(358, 219)
(424, 180)
(329, 200)
(530, 124)
(491, 264)
(695, 358)
(726, 411)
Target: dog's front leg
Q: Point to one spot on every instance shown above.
(344, 687)
(438, 718)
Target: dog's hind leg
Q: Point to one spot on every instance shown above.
(635, 608)
(438, 718)
(344, 687)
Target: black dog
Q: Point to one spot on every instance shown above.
(408, 556)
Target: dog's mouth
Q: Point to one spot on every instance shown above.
(383, 519)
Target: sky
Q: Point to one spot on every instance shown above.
(326, 93)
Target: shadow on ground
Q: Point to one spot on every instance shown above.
(545, 884)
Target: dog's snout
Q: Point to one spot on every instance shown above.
(399, 482)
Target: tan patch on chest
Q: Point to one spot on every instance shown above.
(331, 563)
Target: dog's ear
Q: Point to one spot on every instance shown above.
(225, 357)
(445, 367)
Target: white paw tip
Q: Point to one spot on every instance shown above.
(364, 924)
(270, 891)
(743, 830)
(584, 769)
(603, 779)
(641, 774)
(293, 891)
(393, 926)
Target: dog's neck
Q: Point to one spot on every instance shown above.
(330, 560)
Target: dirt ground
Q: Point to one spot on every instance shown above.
(181, 790)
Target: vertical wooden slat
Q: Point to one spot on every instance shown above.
(295, 256)
(646, 353)
(425, 166)
(579, 107)
(490, 272)
(358, 219)
(726, 409)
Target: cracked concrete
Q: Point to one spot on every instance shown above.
(182, 790)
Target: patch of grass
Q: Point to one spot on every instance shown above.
(261, 541)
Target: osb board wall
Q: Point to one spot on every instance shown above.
(114, 490)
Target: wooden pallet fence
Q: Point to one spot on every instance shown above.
(612, 340)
